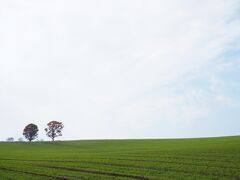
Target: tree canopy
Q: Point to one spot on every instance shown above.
(30, 132)
(54, 129)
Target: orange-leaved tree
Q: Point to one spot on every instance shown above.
(54, 129)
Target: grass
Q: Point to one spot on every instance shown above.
(202, 158)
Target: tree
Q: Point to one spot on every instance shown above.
(10, 139)
(54, 129)
(30, 132)
(20, 139)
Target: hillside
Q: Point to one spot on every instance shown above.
(200, 158)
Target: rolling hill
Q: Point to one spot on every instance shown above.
(199, 158)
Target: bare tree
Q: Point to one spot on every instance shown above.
(30, 132)
(54, 129)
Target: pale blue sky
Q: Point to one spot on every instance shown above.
(120, 69)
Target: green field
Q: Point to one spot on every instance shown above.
(202, 158)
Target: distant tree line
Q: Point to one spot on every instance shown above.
(30, 132)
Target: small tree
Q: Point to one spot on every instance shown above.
(10, 139)
(30, 132)
(20, 139)
(54, 129)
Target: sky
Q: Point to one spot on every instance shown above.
(120, 69)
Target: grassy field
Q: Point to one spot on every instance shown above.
(203, 158)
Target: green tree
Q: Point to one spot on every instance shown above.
(30, 132)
